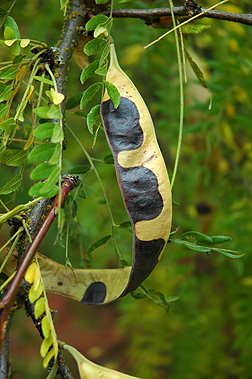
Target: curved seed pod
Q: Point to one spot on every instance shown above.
(141, 172)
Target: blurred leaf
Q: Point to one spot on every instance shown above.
(74, 101)
(8, 73)
(11, 186)
(98, 243)
(7, 125)
(17, 159)
(82, 169)
(197, 71)
(11, 23)
(192, 28)
(43, 80)
(109, 159)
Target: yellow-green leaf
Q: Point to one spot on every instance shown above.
(29, 276)
(34, 294)
(46, 343)
(45, 325)
(39, 307)
(10, 42)
(48, 357)
(57, 97)
(24, 42)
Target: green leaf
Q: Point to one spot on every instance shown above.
(95, 21)
(6, 93)
(11, 23)
(193, 28)
(197, 71)
(42, 152)
(220, 239)
(98, 243)
(138, 295)
(3, 110)
(96, 135)
(15, 49)
(55, 112)
(81, 169)
(44, 131)
(42, 171)
(7, 125)
(56, 155)
(58, 134)
(192, 246)
(125, 225)
(125, 1)
(43, 80)
(109, 159)
(89, 94)
(11, 186)
(229, 253)
(94, 46)
(45, 325)
(113, 93)
(74, 101)
(8, 33)
(105, 27)
(17, 159)
(92, 116)
(42, 111)
(49, 185)
(89, 71)
(34, 191)
(196, 237)
(8, 73)
(102, 70)
(104, 54)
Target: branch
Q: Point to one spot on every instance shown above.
(149, 14)
(73, 21)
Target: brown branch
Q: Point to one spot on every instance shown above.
(150, 14)
(74, 20)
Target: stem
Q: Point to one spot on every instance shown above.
(181, 117)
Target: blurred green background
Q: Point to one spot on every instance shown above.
(208, 332)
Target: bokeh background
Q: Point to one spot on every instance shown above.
(208, 332)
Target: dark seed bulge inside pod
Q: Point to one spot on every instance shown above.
(122, 125)
(95, 293)
(140, 189)
(139, 184)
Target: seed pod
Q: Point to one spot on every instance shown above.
(141, 173)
